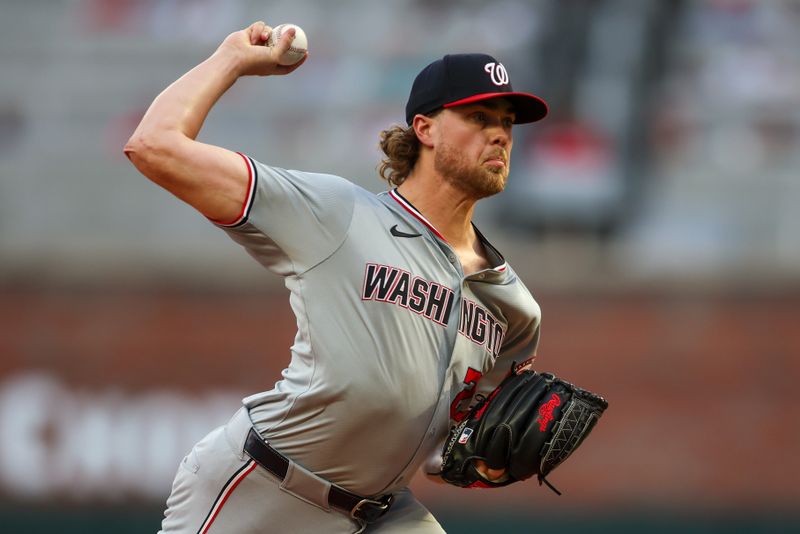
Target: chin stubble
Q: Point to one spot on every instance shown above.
(476, 180)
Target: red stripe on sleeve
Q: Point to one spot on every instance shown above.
(247, 198)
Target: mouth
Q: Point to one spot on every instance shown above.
(496, 160)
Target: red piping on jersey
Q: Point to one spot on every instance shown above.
(417, 215)
(247, 199)
(413, 211)
(227, 493)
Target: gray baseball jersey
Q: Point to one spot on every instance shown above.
(393, 340)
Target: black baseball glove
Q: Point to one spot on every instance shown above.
(528, 425)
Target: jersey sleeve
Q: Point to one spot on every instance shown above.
(291, 220)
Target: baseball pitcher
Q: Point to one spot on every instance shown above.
(415, 337)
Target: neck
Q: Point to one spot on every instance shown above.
(445, 206)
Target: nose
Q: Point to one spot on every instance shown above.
(500, 136)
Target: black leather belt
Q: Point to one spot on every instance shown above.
(355, 506)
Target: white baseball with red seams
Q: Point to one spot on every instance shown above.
(299, 45)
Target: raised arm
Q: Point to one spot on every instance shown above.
(163, 147)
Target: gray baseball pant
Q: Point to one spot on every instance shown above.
(219, 489)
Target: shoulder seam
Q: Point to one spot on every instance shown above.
(344, 235)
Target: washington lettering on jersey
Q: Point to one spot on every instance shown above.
(480, 327)
(390, 284)
(434, 301)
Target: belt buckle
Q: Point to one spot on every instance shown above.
(374, 508)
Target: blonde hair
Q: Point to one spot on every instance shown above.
(401, 146)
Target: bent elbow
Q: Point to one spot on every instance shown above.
(131, 148)
(138, 148)
(150, 154)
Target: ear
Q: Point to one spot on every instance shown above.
(424, 127)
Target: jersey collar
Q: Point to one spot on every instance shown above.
(494, 254)
(406, 205)
(502, 265)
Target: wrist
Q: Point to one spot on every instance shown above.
(228, 64)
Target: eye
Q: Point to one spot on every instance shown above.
(479, 116)
(508, 122)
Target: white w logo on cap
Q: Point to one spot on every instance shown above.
(498, 73)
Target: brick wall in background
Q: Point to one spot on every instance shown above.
(102, 391)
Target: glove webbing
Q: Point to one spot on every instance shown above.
(578, 419)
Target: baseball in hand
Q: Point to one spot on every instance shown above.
(299, 45)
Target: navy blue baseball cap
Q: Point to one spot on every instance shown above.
(459, 79)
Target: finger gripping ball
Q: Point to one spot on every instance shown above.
(299, 46)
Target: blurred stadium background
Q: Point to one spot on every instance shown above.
(653, 215)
